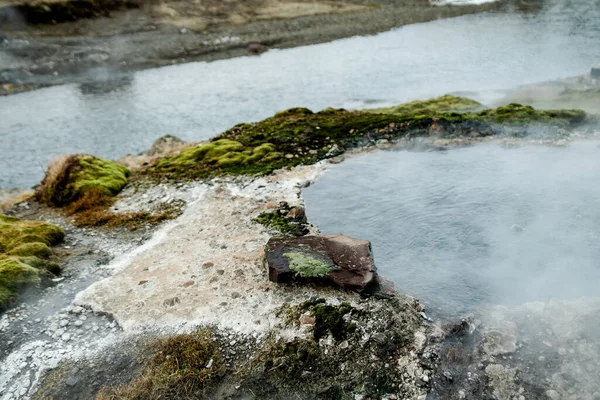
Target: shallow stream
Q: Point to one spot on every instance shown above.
(476, 55)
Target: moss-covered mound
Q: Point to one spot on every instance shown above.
(222, 155)
(24, 250)
(518, 114)
(299, 136)
(439, 105)
(69, 178)
(350, 351)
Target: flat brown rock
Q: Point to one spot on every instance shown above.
(340, 259)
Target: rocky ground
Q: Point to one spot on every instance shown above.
(43, 44)
(121, 288)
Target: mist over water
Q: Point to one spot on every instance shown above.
(477, 55)
(474, 226)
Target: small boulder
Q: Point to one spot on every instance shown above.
(340, 259)
(163, 144)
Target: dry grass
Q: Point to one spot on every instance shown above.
(92, 209)
(14, 199)
(181, 367)
(56, 177)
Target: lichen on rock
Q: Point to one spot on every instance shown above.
(306, 266)
(24, 250)
(69, 178)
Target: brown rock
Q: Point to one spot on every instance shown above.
(188, 283)
(142, 282)
(256, 48)
(345, 261)
(207, 265)
(307, 319)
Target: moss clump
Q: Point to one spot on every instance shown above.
(306, 266)
(181, 367)
(518, 114)
(330, 319)
(286, 220)
(24, 248)
(69, 178)
(431, 107)
(222, 156)
(25, 238)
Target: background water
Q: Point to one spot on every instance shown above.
(442, 223)
(479, 55)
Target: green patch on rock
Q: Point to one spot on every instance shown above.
(306, 266)
(439, 105)
(68, 179)
(24, 249)
(286, 220)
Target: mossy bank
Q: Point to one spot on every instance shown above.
(25, 252)
(299, 136)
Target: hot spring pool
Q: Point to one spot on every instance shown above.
(474, 226)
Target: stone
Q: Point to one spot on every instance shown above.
(340, 259)
(552, 394)
(164, 144)
(306, 319)
(256, 48)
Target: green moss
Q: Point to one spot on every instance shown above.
(24, 245)
(519, 114)
(107, 176)
(330, 319)
(36, 249)
(15, 233)
(439, 105)
(282, 220)
(14, 277)
(76, 175)
(307, 267)
(299, 136)
(221, 156)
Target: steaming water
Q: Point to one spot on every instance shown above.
(482, 54)
(445, 225)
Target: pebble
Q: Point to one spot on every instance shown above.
(66, 337)
(552, 394)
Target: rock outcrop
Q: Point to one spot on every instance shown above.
(340, 259)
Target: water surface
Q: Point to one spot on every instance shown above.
(479, 55)
(468, 227)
